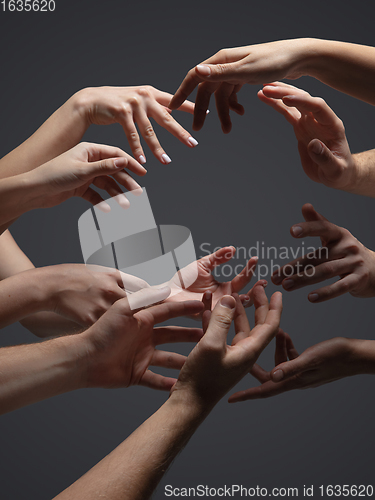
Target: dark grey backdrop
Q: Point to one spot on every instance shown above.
(234, 189)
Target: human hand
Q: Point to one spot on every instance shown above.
(341, 255)
(224, 73)
(84, 293)
(206, 283)
(73, 173)
(131, 106)
(213, 367)
(121, 345)
(320, 364)
(322, 143)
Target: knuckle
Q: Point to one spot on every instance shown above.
(133, 137)
(145, 90)
(133, 101)
(352, 248)
(149, 132)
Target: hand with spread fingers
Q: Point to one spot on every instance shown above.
(116, 351)
(207, 284)
(132, 107)
(341, 255)
(320, 364)
(213, 367)
(322, 143)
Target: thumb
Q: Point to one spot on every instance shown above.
(220, 321)
(103, 167)
(147, 296)
(321, 155)
(286, 370)
(218, 72)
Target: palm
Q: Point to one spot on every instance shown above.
(206, 281)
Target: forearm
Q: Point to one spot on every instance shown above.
(364, 183)
(32, 373)
(362, 356)
(347, 67)
(133, 470)
(49, 324)
(63, 130)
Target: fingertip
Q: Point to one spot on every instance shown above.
(228, 301)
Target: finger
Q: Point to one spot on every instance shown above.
(233, 101)
(244, 277)
(191, 80)
(324, 229)
(291, 368)
(165, 120)
(202, 102)
(167, 359)
(221, 319)
(261, 305)
(147, 296)
(241, 324)
(131, 132)
(113, 189)
(164, 98)
(169, 310)
(221, 256)
(291, 350)
(305, 103)
(207, 300)
(206, 320)
(281, 354)
(250, 294)
(130, 282)
(260, 374)
(317, 274)
(266, 390)
(173, 334)
(99, 152)
(264, 332)
(222, 95)
(323, 157)
(95, 199)
(291, 115)
(156, 381)
(310, 214)
(344, 285)
(124, 179)
(148, 133)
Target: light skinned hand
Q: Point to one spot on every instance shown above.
(84, 293)
(133, 107)
(320, 364)
(214, 367)
(322, 144)
(74, 172)
(121, 345)
(206, 283)
(228, 70)
(341, 255)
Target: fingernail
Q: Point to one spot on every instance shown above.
(297, 230)
(277, 375)
(228, 302)
(316, 147)
(207, 112)
(142, 159)
(287, 284)
(193, 142)
(313, 297)
(120, 162)
(165, 159)
(203, 69)
(123, 201)
(277, 278)
(103, 207)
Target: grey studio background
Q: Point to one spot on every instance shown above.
(237, 189)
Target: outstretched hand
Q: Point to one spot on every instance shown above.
(322, 144)
(341, 255)
(320, 364)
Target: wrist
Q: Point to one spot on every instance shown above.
(361, 356)
(83, 103)
(190, 405)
